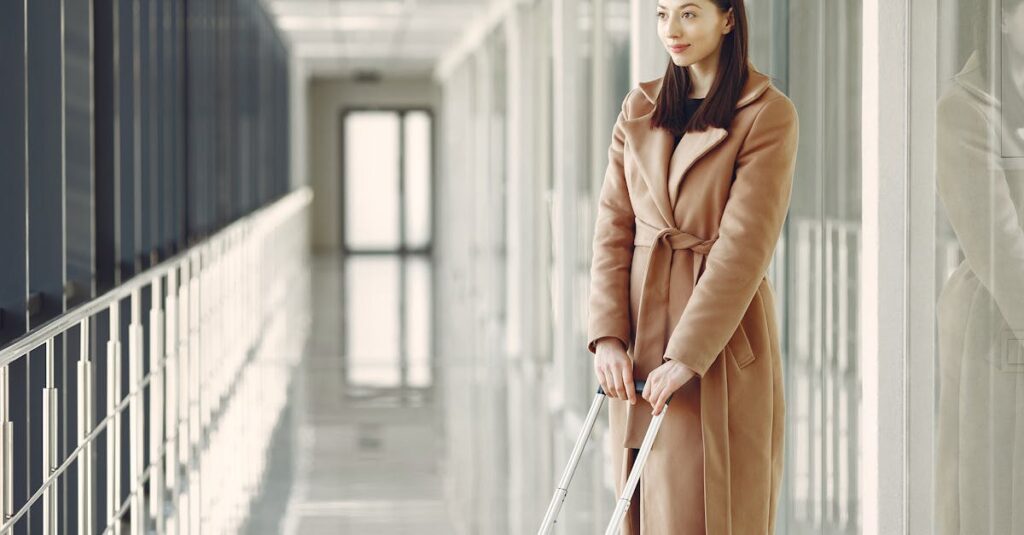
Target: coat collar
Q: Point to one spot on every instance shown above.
(972, 81)
(664, 166)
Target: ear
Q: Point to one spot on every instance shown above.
(729, 21)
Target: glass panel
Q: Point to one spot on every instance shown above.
(615, 64)
(586, 184)
(417, 320)
(979, 251)
(418, 166)
(373, 320)
(815, 266)
(371, 180)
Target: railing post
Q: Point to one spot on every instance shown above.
(85, 420)
(156, 423)
(203, 395)
(182, 510)
(6, 449)
(113, 427)
(195, 299)
(173, 396)
(136, 424)
(49, 442)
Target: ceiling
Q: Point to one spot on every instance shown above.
(395, 38)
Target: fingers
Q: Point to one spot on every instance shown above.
(602, 379)
(627, 380)
(617, 382)
(660, 404)
(653, 392)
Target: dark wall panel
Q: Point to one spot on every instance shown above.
(127, 174)
(45, 162)
(12, 161)
(106, 199)
(131, 129)
(78, 149)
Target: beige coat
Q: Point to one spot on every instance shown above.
(709, 209)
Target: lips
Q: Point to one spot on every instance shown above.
(678, 48)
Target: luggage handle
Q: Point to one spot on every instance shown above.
(639, 385)
(551, 516)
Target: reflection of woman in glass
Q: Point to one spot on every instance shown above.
(980, 181)
(692, 204)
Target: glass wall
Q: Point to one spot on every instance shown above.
(527, 120)
(521, 165)
(129, 130)
(816, 266)
(967, 244)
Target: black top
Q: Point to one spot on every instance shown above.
(690, 108)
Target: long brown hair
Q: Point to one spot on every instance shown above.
(719, 107)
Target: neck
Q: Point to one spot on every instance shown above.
(701, 76)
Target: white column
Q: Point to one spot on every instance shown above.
(922, 376)
(566, 148)
(883, 312)
(647, 57)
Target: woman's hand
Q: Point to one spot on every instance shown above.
(614, 370)
(665, 380)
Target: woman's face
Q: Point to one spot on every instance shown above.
(692, 30)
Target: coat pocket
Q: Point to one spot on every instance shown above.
(739, 348)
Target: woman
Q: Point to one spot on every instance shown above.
(710, 207)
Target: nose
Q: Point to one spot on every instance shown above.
(673, 28)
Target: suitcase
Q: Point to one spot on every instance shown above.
(634, 475)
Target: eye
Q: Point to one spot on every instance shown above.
(689, 14)
(661, 14)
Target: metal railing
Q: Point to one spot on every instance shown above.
(180, 449)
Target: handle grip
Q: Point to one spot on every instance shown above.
(639, 385)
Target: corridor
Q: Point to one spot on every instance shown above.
(358, 266)
(347, 459)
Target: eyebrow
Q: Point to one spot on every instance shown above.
(684, 5)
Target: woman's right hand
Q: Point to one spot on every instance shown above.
(614, 370)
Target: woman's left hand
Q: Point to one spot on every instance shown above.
(663, 381)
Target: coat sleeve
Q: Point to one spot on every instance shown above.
(609, 313)
(748, 233)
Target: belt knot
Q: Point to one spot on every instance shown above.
(650, 326)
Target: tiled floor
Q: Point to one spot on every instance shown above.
(347, 460)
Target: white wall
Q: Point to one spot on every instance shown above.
(327, 98)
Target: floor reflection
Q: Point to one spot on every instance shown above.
(351, 459)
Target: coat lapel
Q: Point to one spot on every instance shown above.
(663, 166)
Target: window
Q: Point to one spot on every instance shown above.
(386, 227)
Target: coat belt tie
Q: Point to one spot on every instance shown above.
(651, 325)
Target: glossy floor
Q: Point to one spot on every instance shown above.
(345, 458)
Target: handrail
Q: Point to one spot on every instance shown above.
(195, 403)
(37, 337)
